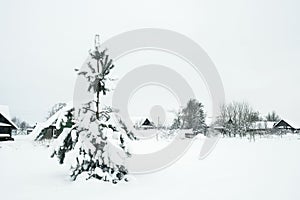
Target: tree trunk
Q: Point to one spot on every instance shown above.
(98, 93)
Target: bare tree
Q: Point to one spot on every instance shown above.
(177, 122)
(22, 125)
(55, 108)
(17, 121)
(272, 116)
(237, 117)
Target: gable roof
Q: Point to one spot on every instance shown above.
(4, 111)
(262, 125)
(283, 123)
(295, 124)
(52, 121)
(147, 122)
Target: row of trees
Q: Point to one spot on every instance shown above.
(22, 125)
(272, 116)
(239, 117)
(236, 118)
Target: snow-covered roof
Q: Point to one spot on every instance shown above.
(4, 124)
(291, 123)
(294, 124)
(218, 127)
(147, 126)
(263, 125)
(4, 110)
(4, 135)
(138, 119)
(51, 121)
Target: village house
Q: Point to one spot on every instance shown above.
(7, 126)
(263, 127)
(52, 127)
(147, 124)
(283, 125)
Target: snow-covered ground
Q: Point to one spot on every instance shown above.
(237, 169)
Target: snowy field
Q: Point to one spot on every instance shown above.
(237, 169)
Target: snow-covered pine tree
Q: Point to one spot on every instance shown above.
(97, 144)
(67, 137)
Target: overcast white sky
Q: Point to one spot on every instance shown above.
(254, 44)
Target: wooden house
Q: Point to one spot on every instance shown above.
(283, 125)
(147, 124)
(6, 124)
(52, 127)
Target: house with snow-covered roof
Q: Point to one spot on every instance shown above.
(52, 127)
(284, 125)
(262, 125)
(143, 123)
(147, 124)
(273, 126)
(6, 124)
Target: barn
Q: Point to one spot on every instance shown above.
(7, 126)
